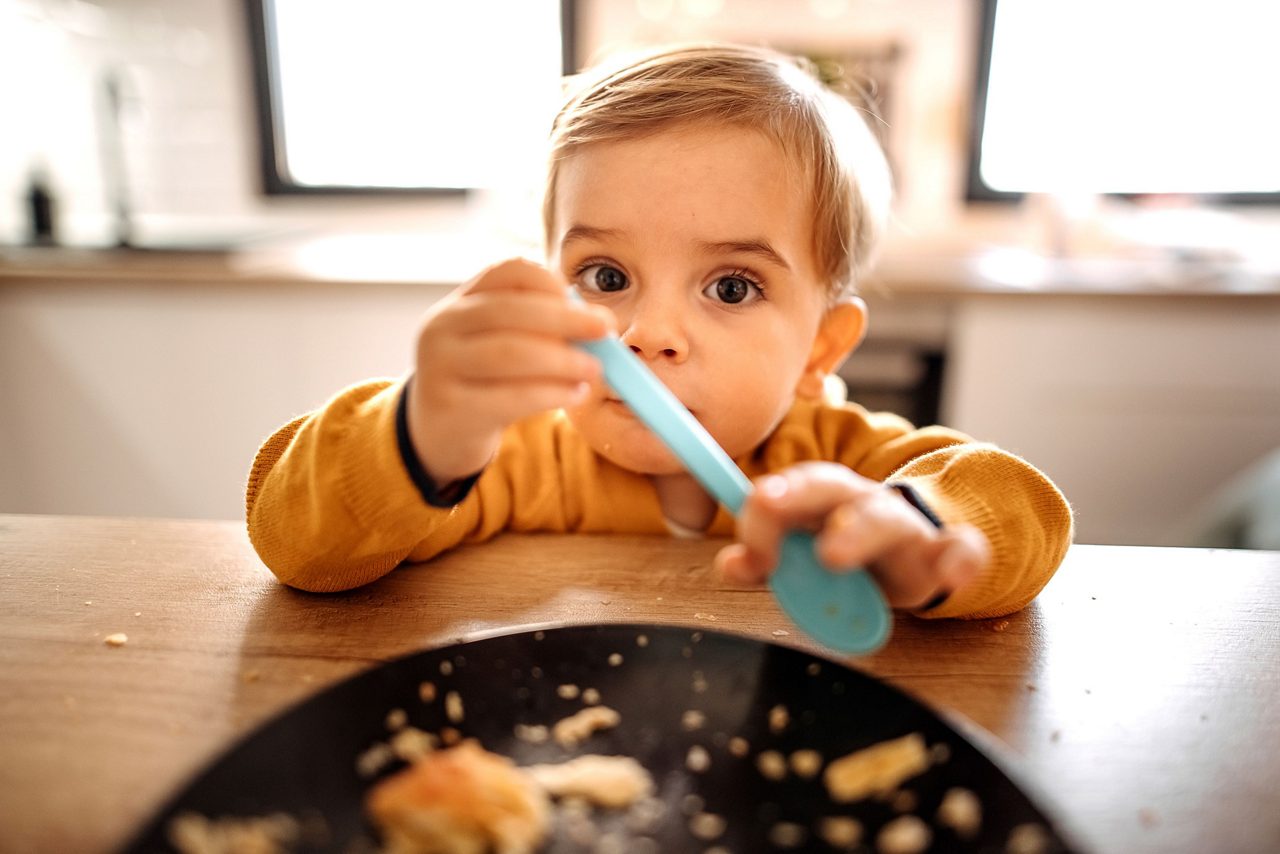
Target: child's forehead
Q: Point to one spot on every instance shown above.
(692, 191)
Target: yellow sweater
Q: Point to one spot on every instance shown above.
(331, 506)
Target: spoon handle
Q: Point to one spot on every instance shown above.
(660, 411)
(844, 611)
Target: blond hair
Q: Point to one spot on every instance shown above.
(822, 132)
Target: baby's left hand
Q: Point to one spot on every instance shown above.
(858, 523)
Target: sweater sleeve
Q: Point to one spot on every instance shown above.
(1025, 518)
(329, 503)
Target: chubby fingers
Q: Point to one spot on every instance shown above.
(800, 497)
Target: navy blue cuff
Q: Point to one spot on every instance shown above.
(452, 494)
(913, 498)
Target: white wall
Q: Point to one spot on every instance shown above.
(151, 399)
(1140, 408)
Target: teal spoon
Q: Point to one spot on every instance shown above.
(844, 611)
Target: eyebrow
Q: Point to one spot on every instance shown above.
(588, 232)
(758, 247)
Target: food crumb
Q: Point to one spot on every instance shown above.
(692, 720)
(906, 834)
(840, 832)
(396, 719)
(806, 763)
(192, 832)
(697, 760)
(137, 613)
(450, 736)
(1027, 839)
(567, 692)
(780, 633)
(813, 669)
(707, 826)
(578, 727)
(427, 692)
(739, 746)
(778, 718)
(786, 834)
(615, 659)
(699, 682)
(453, 707)
(643, 640)
(772, 765)
(591, 696)
(961, 811)
(877, 769)
(250, 676)
(539, 635)
(411, 744)
(999, 625)
(118, 639)
(612, 782)
(373, 760)
(446, 668)
(692, 804)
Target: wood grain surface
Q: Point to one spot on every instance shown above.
(1139, 696)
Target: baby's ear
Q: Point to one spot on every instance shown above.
(839, 334)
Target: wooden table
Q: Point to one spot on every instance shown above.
(1140, 694)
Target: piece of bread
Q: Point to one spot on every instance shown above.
(463, 800)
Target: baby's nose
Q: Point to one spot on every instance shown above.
(657, 332)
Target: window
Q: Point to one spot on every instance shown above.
(405, 95)
(1129, 97)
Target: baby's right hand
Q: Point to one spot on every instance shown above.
(497, 349)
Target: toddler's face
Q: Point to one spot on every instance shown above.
(700, 242)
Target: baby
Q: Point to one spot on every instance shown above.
(715, 207)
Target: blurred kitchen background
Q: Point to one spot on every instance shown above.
(216, 213)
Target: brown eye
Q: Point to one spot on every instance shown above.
(603, 278)
(732, 290)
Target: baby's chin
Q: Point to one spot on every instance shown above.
(648, 456)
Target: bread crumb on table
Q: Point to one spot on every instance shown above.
(118, 639)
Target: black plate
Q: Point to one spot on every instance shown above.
(304, 761)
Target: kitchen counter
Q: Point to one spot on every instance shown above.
(912, 270)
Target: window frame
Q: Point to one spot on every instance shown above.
(273, 169)
(977, 190)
